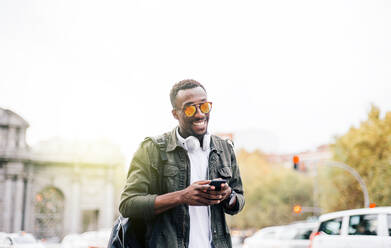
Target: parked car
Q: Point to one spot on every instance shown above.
(3, 242)
(92, 239)
(19, 240)
(358, 228)
(97, 239)
(73, 240)
(289, 236)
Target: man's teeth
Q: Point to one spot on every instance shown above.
(199, 123)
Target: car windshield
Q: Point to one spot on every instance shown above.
(303, 233)
(295, 232)
(287, 233)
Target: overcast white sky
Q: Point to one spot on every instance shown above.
(284, 75)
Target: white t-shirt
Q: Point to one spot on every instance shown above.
(200, 232)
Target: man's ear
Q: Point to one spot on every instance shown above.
(174, 113)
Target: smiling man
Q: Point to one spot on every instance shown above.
(169, 193)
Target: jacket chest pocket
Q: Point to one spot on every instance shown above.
(170, 178)
(224, 173)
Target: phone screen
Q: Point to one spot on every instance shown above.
(217, 183)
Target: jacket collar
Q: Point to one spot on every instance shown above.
(215, 144)
(173, 143)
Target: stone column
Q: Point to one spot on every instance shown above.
(109, 202)
(75, 226)
(107, 216)
(18, 205)
(8, 212)
(30, 201)
(2, 191)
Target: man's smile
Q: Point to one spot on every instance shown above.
(199, 123)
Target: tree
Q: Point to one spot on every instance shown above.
(367, 149)
(271, 191)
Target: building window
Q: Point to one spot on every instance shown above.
(90, 220)
(3, 136)
(17, 137)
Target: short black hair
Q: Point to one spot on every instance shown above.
(183, 85)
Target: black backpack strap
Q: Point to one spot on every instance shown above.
(125, 232)
(161, 142)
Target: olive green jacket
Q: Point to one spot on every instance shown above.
(149, 175)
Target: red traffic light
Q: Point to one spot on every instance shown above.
(296, 159)
(296, 162)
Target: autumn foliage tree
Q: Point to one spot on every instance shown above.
(271, 191)
(367, 149)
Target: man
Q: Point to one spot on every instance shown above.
(173, 196)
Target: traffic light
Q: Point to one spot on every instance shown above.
(296, 161)
(297, 209)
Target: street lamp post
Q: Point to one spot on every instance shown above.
(337, 164)
(349, 169)
(354, 173)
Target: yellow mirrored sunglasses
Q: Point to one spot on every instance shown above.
(190, 110)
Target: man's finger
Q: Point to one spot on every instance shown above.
(214, 192)
(210, 196)
(210, 201)
(203, 182)
(203, 187)
(224, 186)
(203, 201)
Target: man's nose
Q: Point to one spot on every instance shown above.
(198, 113)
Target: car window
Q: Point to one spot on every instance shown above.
(363, 224)
(389, 224)
(331, 227)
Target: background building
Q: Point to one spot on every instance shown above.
(308, 159)
(55, 188)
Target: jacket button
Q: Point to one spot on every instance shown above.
(214, 231)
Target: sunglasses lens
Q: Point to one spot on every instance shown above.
(205, 107)
(190, 110)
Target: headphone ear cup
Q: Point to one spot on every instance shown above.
(192, 143)
(206, 142)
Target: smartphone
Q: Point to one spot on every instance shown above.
(217, 183)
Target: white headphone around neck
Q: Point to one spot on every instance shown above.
(192, 143)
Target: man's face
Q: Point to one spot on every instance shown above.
(196, 125)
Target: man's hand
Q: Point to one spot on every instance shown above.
(200, 193)
(225, 191)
